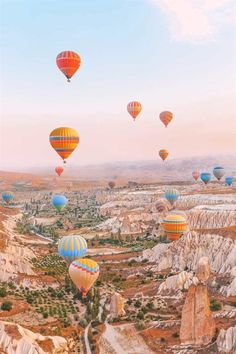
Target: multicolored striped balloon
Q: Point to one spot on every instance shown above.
(196, 175)
(172, 195)
(162, 205)
(174, 226)
(166, 117)
(229, 180)
(134, 108)
(59, 201)
(205, 177)
(7, 197)
(68, 62)
(84, 272)
(64, 140)
(218, 172)
(72, 247)
(163, 153)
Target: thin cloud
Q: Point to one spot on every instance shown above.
(197, 20)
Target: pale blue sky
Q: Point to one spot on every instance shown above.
(130, 49)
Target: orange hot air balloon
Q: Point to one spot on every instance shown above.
(166, 117)
(163, 154)
(84, 272)
(134, 108)
(64, 140)
(68, 62)
(174, 226)
(59, 170)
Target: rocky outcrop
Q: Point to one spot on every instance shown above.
(197, 324)
(172, 284)
(229, 290)
(203, 269)
(15, 339)
(117, 305)
(226, 340)
(186, 252)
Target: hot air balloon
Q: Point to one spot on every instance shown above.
(7, 197)
(111, 184)
(59, 201)
(205, 177)
(84, 272)
(196, 175)
(72, 247)
(163, 154)
(68, 62)
(134, 108)
(59, 170)
(218, 172)
(229, 180)
(166, 117)
(162, 205)
(174, 226)
(172, 195)
(64, 141)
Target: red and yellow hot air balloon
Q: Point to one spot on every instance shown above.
(68, 62)
(59, 170)
(84, 272)
(163, 153)
(134, 108)
(174, 226)
(166, 117)
(64, 140)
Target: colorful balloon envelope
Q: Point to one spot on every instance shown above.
(229, 180)
(172, 195)
(162, 205)
(68, 62)
(218, 172)
(59, 170)
(163, 154)
(7, 197)
(59, 201)
(84, 272)
(205, 177)
(196, 175)
(72, 247)
(111, 184)
(174, 226)
(64, 140)
(166, 117)
(134, 108)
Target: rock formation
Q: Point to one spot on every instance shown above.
(181, 281)
(197, 323)
(117, 305)
(226, 340)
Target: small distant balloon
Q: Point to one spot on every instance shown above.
(166, 117)
(229, 180)
(84, 272)
(68, 62)
(72, 247)
(111, 184)
(172, 195)
(163, 153)
(218, 172)
(205, 177)
(196, 175)
(59, 201)
(7, 197)
(59, 170)
(134, 108)
(64, 140)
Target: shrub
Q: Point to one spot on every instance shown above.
(140, 315)
(215, 305)
(3, 292)
(6, 306)
(175, 335)
(45, 315)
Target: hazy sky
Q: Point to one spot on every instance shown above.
(176, 55)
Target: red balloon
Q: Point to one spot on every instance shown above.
(59, 170)
(68, 62)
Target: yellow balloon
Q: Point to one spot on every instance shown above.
(84, 272)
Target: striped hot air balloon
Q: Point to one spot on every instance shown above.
(205, 177)
(59, 201)
(172, 195)
(134, 108)
(7, 197)
(84, 272)
(72, 247)
(163, 153)
(64, 140)
(218, 172)
(68, 62)
(162, 205)
(196, 175)
(229, 180)
(59, 170)
(166, 117)
(174, 226)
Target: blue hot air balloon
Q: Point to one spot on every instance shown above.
(218, 172)
(205, 177)
(172, 195)
(72, 247)
(59, 201)
(229, 180)
(7, 197)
